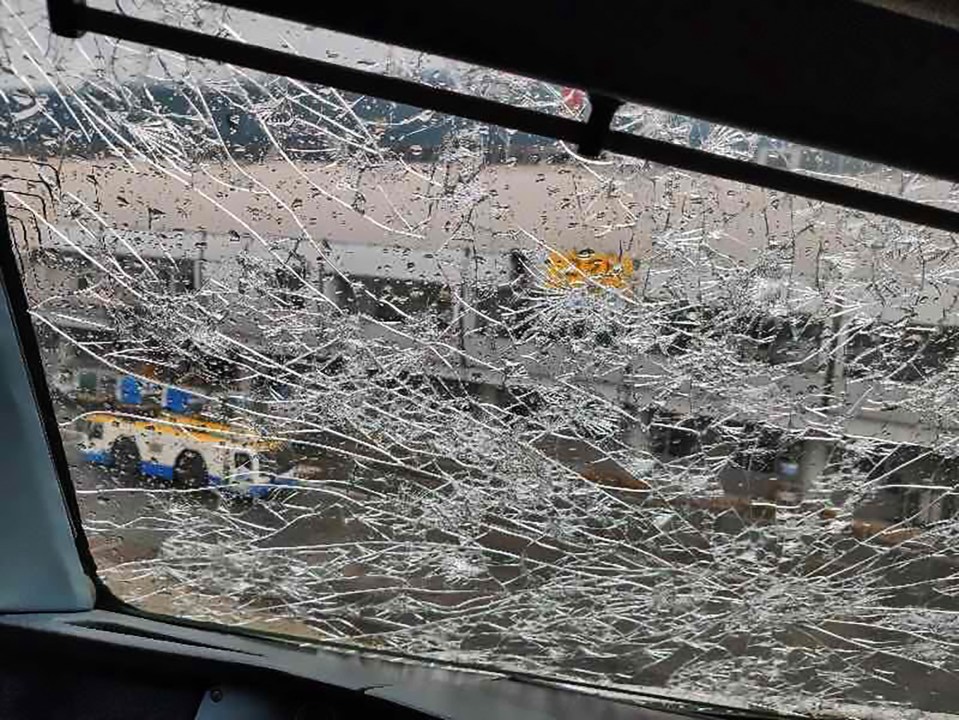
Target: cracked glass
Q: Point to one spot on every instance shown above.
(344, 370)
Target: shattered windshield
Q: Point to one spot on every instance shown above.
(345, 370)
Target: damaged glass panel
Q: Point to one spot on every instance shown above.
(345, 370)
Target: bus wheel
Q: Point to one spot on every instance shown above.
(126, 458)
(189, 471)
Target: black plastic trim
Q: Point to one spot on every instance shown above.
(32, 360)
(423, 689)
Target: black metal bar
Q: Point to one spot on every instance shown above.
(32, 360)
(65, 17)
(602, 110)
(398, 90)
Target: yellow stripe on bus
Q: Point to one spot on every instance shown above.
(184, 427)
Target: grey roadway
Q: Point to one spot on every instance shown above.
(145, 519)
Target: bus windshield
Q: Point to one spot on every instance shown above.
(363, 373)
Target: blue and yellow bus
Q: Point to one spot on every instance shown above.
(185, 452)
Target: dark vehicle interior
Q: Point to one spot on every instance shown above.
(872, 80)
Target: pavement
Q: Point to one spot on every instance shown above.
(128, 528)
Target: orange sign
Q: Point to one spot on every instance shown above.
(575, 268)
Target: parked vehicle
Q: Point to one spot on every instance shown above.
(184, 452)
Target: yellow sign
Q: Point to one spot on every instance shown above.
(575, 268)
